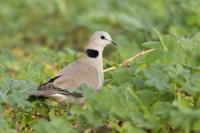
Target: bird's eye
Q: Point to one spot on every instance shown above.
(102, 37)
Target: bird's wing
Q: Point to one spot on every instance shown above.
(47, 89)
(70, 78)
(76, 74)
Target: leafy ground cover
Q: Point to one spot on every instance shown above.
(157, 92)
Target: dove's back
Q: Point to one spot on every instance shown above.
(83, 71)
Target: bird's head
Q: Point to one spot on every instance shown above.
(100, 39)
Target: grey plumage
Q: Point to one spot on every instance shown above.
(86, 70)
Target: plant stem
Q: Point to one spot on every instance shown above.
(129, 60)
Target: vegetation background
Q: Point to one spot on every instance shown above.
(159, 92)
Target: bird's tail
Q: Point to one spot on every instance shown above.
(37, 95)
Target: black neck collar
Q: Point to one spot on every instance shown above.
(92, 53)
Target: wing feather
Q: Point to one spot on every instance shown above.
(75, 75)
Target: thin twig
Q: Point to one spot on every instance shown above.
(126, 62)
(18, 128)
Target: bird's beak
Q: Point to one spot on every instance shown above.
(113, 43)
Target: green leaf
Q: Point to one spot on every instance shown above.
(56, 125)
(15, 92)
(152, 44)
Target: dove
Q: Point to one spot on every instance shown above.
(87, 70)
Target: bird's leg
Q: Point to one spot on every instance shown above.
(69, 105)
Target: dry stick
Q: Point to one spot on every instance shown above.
(126, 62)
